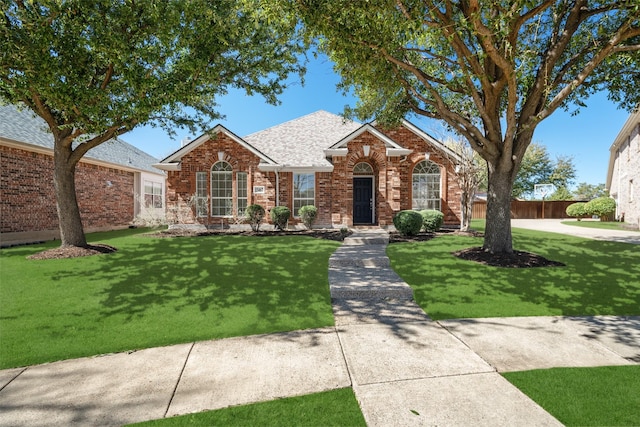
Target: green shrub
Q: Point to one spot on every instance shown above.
(408, 223)
(603, 207)
(280, 217)
(255, 215)
(308, 215)
(576, 210)
(432, 220)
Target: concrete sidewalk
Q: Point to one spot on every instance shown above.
(556, 226)
(404, 368)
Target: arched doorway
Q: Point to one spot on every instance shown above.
(363, 194)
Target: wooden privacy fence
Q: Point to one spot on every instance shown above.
(528, 209)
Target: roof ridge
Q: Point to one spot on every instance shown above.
(298, 119)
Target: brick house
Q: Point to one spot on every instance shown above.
(355, 174)
(623, 175)
(115, 182)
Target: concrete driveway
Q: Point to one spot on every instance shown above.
(556, 226)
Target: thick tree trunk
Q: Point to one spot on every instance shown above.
(497, 236)
(71, 230)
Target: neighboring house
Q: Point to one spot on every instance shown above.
(354, 174)
(623, 176)
(115, 182)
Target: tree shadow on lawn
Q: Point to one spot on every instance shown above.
(600, 278)
(214, 287)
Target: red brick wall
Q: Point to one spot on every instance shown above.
(334, 190)
(27, 198)
(181, 185)
(392, 177)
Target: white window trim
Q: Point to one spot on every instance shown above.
(293, 195)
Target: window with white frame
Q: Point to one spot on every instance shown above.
(426, 186)
(201, 194)
(362, 168)
(242, 193)
(152, 194)
(221, 189)
(304, 191)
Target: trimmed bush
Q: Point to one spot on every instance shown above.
(603, 207)
(408, 223)
(280, 217)
(576, 210)
(255, 215)
(432, 220)
(308, 215)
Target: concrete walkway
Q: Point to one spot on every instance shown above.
(405, 369)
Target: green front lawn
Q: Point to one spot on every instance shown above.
(331, 408)
(599, 278)
(154, 292)
(605, 396)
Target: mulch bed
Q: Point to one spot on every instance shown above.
(328, 234)
(73, 252)
(517, 259)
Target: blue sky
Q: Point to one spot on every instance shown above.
(586, 137)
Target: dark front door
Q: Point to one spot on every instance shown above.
(363, 200)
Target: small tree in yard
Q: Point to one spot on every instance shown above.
(492, 70)
(94, 70)
(468, 173)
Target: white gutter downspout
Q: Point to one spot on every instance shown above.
(277, 187)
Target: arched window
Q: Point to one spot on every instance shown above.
(362, 168)
(426, 186)
(221, 189)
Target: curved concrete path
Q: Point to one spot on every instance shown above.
(405, 369)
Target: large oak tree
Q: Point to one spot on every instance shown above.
(491, 69)
(96, 69)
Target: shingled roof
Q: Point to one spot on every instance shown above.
(301, 142)
(23, 126)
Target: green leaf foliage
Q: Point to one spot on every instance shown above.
(576, 210)
(107, 65)
(308, 215)
(603, 207)
(280, 216)
(255, 215)
(408, 223)
(432, 220)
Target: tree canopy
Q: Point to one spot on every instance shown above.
(492, 70)
(96, 69)
(537, 167)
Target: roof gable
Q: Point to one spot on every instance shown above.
(431, 140)
(172, 161)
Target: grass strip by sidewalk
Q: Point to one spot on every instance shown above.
(602, 396)
(159, 291)
(600, 278)
(331, 408)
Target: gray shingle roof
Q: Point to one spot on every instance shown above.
(301, 142)
(24, 126)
